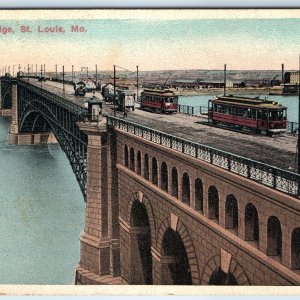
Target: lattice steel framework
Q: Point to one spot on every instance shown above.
(6, 85)
(41, 111)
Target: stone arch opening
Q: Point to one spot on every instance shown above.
(231, 213)
(174, 182)
(139, 163)
(198, 195)
(251, 223)
(154, 171)
(213, 203)
(295, 249)
(126, 156)
(141, 257)
(132, 161)
(218, 271)
(186, 189)
(164, 176)
(218, 277)
(146, 166)
(274, 241)
(178, 269)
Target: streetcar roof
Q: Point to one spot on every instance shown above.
(247, 101)
(159, 92)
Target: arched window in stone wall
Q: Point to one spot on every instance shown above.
(251, 223)
(198, 194)
(186, 194)
(164, 176)
(154, 171)
(231, 212)
(146, 166)
(139, 163)
(213, 203)
(274, 245)
(295, 244)
(132, 162)
(174, 182)
(126, 156)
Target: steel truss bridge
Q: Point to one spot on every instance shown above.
(40, 111)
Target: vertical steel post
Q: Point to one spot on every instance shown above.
(36, 71)
(45, 70)
(56, 72)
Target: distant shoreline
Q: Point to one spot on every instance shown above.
(233, 91)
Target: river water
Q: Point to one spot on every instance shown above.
(291, 102)
(42, 209)
(41, 214)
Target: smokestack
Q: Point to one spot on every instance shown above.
(282, 73)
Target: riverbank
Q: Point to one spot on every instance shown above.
(234, 91)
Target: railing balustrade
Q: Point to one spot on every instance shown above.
(276, 178)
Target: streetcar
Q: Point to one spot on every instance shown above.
(161, 101)
(255, 114)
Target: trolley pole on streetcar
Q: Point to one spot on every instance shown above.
(225, 80)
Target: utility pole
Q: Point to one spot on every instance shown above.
(36, 71)
(72, 72)
(298, 142)
(63, 74)
(28, 72)
(32, 69)
(115, 91)
(114, 100)
(137, 83)
(56, 72)
(41, 75)
(225, 80)
(44, 70)
(96, 76)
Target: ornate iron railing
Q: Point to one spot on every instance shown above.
(192, 110)
(279, 179)
(203, 110)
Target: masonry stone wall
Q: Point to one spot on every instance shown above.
(208, 244)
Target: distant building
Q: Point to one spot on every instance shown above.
(291, 77)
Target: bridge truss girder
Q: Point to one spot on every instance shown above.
(40, 111)
(6, 92)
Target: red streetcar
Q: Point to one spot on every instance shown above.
(260, 115)
(164, 101)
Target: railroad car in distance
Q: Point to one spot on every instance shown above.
(259, 115)
(161, 101)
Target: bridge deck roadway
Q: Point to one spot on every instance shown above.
(278, 151)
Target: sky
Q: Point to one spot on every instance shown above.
(154, 44)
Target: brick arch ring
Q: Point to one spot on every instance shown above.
(187, 242)
(234, 268)
(140, 197)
